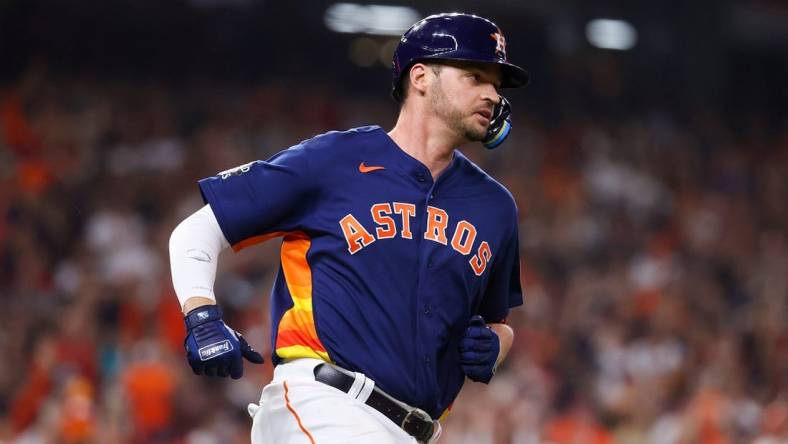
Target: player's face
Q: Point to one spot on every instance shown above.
(463, 95)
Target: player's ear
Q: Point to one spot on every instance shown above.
(418, 78)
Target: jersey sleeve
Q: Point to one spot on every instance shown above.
(263, 199)
(503, 290)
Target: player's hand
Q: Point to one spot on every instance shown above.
(213, 348)
(479, 350)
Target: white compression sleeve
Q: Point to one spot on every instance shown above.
(195, 245)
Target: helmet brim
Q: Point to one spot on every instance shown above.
(513, 76)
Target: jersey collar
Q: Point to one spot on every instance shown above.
(411, 166)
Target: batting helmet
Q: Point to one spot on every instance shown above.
(454, 36)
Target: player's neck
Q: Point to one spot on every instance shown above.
(425, 139)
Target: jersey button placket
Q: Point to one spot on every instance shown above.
(423, 309)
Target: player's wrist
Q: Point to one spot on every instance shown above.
(202, 315)
(196, 302)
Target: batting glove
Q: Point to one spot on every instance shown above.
(213, 348)
(479, 350)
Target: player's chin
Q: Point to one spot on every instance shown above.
(475, 132)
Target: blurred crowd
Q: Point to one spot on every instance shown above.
(654, 265)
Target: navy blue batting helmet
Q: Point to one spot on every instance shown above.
(454, 36)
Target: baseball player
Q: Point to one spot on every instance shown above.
(399, 259)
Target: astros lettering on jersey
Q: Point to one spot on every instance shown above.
(462, 240)
(367, 231)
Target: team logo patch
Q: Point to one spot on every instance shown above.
(500, 43)
(237, 171)
(215, 349)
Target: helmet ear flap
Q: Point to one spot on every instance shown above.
(500, 124)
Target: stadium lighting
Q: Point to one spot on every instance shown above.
(611, 34)
(369, 19)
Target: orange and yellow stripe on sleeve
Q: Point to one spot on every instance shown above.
(296, 336)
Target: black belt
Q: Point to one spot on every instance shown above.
(416, 423)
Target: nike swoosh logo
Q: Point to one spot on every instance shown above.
(368, 169)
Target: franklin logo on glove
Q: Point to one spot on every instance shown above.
(213, 350)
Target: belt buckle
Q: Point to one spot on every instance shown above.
(421, 434)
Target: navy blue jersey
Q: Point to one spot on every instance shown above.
(381, 267)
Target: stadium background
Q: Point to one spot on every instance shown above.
(652, 185)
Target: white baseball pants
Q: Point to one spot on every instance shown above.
(296, 409)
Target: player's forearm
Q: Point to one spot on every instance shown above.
(506, 337)
(194, 246)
